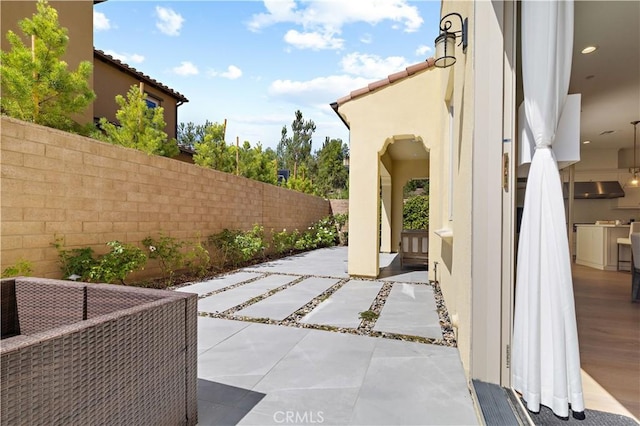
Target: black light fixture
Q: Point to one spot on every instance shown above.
(634, 171)
(445, 42)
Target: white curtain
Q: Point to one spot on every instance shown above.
(545, 357)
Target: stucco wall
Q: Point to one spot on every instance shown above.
(76, 16)
(455, 256)
(396, 113)
(90, 192)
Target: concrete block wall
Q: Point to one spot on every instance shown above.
(57, 184)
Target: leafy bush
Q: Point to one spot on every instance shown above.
(76, 262)
(197, 259)
(118, 263)
(235, 247)
(321, 234)
(415, 213)
(341, 220)
(80, 263)
(168, 251)
(284, 242)
(251, 243)
(21, 268)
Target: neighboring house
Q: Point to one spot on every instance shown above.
(458, 126)
(110, 76)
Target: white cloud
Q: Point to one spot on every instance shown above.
(318, 91)
(366, 38)
(186, 68)
(333, 14)
(100, 21)
(313, 40)
(372, 66)
(126, 57)
(169, 22)
(231, 73)
(423, 50)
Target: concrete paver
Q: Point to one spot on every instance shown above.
(282, 304)
(343, 308)
(228, 299)
(410, 309)
(218, 283)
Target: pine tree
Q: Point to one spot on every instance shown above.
(36, 84)
(140, 127)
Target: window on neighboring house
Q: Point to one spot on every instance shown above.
(151, 101)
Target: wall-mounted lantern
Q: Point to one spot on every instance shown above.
(446, 41)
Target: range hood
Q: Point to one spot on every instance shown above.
(594, 190)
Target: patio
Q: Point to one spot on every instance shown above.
(283, 342)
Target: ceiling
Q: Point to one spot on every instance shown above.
(609, 78)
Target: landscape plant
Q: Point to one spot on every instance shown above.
(22, 268)
(82, 264)
(37, 85)
(119, 262)
(140, 126)
(415, 213)
(75, 262)
(168, 251)
(283, 242)
(198, 259)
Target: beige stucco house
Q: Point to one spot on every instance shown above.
(458, 127)
(110, 76)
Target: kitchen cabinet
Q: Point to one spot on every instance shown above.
(631, 199)
(597, 245)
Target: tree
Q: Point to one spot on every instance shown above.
(211, 150)
(140, 127)
(189, 134)
(36, 84)
(332, 175)
(295, 150)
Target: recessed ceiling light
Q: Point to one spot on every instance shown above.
(589, 49)
(586, 142)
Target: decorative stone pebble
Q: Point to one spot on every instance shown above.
(366, 325)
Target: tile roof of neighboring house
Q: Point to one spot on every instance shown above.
(137, 74)
(376, 85)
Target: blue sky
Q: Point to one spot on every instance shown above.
(256, 62)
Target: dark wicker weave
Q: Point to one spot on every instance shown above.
(133, 361)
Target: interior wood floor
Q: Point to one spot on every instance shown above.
(609, 332)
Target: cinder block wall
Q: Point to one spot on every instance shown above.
(89, 192)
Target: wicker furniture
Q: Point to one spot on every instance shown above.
(414, 247)
(98, 354)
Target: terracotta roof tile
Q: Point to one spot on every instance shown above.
(134, 72)
(409, 71)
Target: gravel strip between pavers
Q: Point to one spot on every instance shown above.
(364, 329)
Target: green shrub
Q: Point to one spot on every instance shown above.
(251, 243)
(118, 263)
(284, 242)
(235, 247)
(415, 213)
(168, 251)
(21, 268)
(81, 263)
(197, 259)
(321, 234)
(76, 263)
